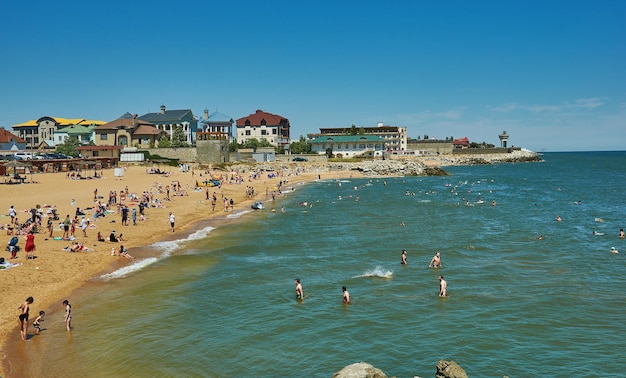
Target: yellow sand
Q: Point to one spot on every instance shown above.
(54, 273)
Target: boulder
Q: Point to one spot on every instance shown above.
(449, 369)
(360, 370)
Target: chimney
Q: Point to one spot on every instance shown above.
(162, 109)
(206, 114)
(134, 119)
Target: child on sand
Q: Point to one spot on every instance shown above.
(37, 322)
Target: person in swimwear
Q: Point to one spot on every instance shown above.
(37, 322)
(403, 259)
(346, 295)
(443, 287)
(435, 262)
(299, 292)
(23, 318)
(621, 233)
(68, 314)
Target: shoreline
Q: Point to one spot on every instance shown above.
(50, 282)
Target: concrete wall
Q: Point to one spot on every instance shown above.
(212, 151)
(184, 154)
(436, 147)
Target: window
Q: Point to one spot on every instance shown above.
(274, 131)
(263, 132)
(123, 140)
(263, 122)
(104, 136)
(248, 132)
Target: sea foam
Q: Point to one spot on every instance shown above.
(379, 271)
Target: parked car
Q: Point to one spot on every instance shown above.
(23, 155)
(300, 158)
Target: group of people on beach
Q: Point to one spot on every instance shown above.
(23, 317)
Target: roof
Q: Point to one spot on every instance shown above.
(258, 116)
(461, 141)
(61, 121)
(6, 136)
(347, 139)
(123, 123)
(146, 129)
(218, 117)
(168, 116)
(77, 129)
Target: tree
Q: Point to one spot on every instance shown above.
(68, 147)
(164, 141)
(300, 147)
(353, 130)
(232, 147)
(179, 139)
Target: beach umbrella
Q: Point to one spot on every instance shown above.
(18, 164)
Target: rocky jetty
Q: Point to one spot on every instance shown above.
(449, 369)
(360, 370)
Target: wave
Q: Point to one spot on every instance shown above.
(167, 247)
(379, 271)
(237, 215)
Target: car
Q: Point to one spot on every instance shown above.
(23, 155)
(300, 158)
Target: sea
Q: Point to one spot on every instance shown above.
(220, 300)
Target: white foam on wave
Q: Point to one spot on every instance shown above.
(237, 215)
(167, 247)
(379, 271)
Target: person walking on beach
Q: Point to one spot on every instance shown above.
(436, 261)
(443, 287)
(172, 219)
(23, 318)
(403, 259)
(66, 226)
(346, 295)
(83, 226)
(50, 227)
(37, 322)
(299, 292)
(12, 214)
(30, 245)
(68, 314)
(134, 216)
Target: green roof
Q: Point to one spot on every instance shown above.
(348, 139)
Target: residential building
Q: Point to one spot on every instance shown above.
(10, 141)
(84, 134)
(215, 126)
(349, 145)
(395, 137)
(36, 131)
(461, 143)
(169, 120)
(127, 131)
(262, 125)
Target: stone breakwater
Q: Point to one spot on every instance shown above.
(420, 166)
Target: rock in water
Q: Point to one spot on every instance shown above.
(360, 370)
(449, 369)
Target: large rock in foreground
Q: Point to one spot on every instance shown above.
(360, 370)
(449, 369)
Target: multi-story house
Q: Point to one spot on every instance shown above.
(262, 125)
(169, 120)
(41, 130)
(215, 126)
(127, 131)
(349, 145)
(10, 141)
(395, 137)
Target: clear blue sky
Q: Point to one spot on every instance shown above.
(550, 73)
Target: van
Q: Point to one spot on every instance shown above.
(23, 155)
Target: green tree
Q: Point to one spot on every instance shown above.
(362, 131)
(232, 147)
(164, 141)
(353, 130)
(68, 147)
(179, 139)
(301, 146)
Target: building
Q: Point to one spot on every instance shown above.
(10, 141)
(36, 131)
(169, 120)
(395, 137)
(461, 143)
(215, 126)
(84, 134)
(262, 125)
(127, 131)
(349, 145)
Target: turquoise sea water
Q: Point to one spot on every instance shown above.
(221, 302)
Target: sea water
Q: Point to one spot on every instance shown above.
(221, 301)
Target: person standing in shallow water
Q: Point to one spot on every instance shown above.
(299, 292)
(68, 314)
(23, 318)
(172, 220)
(443, 287)
(346, 295)
(403, 258)
(436, 261)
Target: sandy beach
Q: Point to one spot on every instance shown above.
(55, 273)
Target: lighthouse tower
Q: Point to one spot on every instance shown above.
(504, 138)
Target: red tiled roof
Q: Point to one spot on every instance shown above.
(259, 115)
(6, 136)
(461, 141)
(146, 130)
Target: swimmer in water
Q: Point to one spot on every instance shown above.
(299, 292)
(621, 233)
(435, 262)
(346, 295)
(558, 218)
(443, 287)
(403, 258)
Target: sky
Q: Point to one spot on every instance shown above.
(552, 74)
